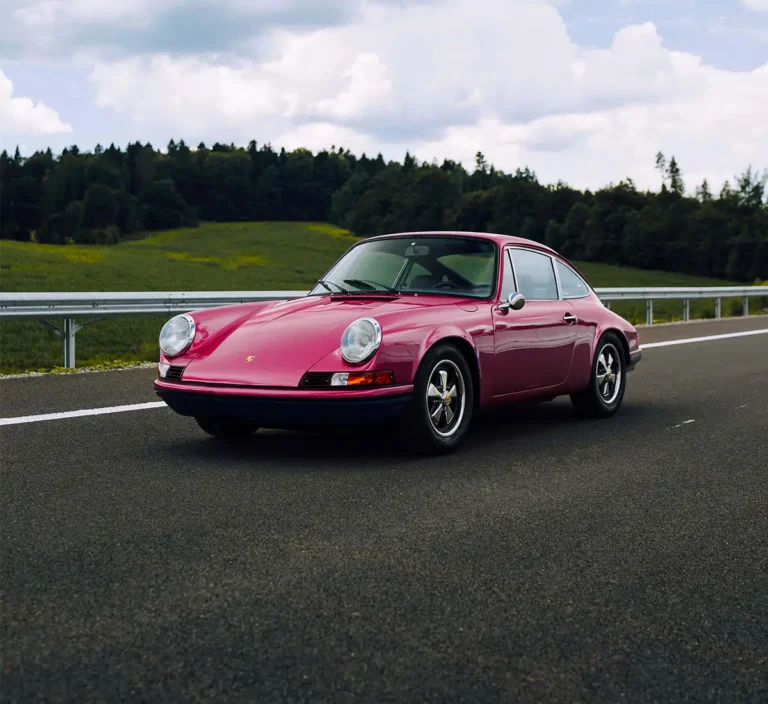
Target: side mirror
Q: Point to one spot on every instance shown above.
(515, 301)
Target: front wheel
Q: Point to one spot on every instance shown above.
(603, 397)
(227, 430)
(443, 402)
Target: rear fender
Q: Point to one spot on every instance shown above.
(624, 330)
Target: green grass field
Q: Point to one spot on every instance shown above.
(214, 257)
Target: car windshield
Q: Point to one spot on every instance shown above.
(458, 266)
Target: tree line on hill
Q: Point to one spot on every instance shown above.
(107, 195)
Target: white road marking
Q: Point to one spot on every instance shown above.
(161, 404)
(86, 412)
(688, 340)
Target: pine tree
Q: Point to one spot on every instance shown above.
(703, 193)
(676, 184)
(661, 167)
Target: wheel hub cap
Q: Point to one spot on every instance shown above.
(445, 398)
(609, 373)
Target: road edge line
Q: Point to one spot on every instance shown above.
(706, 338)
(85, 412)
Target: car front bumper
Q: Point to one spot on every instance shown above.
(286, 408)
(634, 358)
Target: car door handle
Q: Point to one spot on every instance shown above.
(569, 318)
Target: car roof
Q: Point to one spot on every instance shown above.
(499, 239)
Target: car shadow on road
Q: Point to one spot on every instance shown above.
(502, 430)
(548, 419)
(301, 449)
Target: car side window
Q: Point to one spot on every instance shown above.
(572, 284)
(508, 284)
(535, 275)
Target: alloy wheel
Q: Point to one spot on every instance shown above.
(446, 398)
(608, 374)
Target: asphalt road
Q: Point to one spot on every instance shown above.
(550, 559)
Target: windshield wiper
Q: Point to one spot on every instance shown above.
(371, 285)
(325, 285)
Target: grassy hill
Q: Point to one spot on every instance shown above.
(232, 256)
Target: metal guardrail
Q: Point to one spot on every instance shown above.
(681, 293)
(101, 305)
(97, 306)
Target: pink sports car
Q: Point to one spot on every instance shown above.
(416, 331)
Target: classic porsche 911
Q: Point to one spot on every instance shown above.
(417, 332)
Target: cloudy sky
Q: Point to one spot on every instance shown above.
(581, 90)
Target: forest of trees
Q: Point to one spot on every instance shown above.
(110, 194)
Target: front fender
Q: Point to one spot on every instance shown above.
(476, 344)
(211, 323)
(437, 335)
(408, 338)
(403, 351)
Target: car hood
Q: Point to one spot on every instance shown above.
(277, 345)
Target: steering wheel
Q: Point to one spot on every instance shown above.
(446, 284)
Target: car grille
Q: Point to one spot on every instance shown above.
(315, 380)
(174, 373)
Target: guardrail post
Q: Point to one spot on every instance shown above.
(649, 312)
(717, 308)
(686, 310)
(746, 305)
(69, 342)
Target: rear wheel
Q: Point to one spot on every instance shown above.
(442, 405)
(603, 397)
(228, 430)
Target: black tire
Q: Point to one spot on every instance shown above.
(593, 402)
(417, 431)
(226, 430)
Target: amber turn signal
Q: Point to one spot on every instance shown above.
(363, 379)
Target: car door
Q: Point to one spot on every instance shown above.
(578, 293)
(533, 346)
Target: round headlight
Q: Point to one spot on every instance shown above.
(360, 340)
(177, 334)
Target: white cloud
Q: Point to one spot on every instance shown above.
(508, 57)
(53, 27)
(368, 89)
(637, 67)
(756, 5)
(20, 116)
(187, 92)
(49, 12)
(323, 135)
(452, 78)
(120, 28)
(713, 136)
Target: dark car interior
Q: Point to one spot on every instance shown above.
(449, 265)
